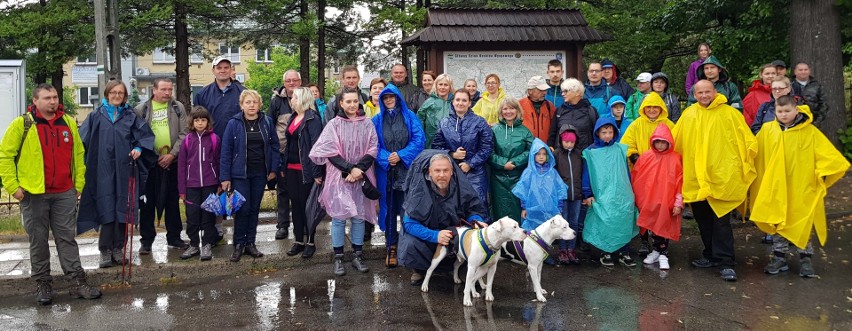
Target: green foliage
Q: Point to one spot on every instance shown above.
(265, 77)
(846, 140)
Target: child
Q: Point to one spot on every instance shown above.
(569, 165)
(611, 217)
(657, 181)
(616, 112)
(540, 189)
(198, 166)
(796, 165)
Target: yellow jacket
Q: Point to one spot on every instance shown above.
(638, 134)
(795, 168)
(370, 110)
(718, 152)
(487, 109)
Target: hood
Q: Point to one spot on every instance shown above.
(805, 117)
(723, 73)
(757, 85)
(400, 101)
(614, 100)
(662, 132)
(538, 145)
(661, 75)
(279, 92)
(500, 93)
(601, 122)
(564, 128)
(653, 99)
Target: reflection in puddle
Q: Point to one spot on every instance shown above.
(267, 298)
(292, 301)
(60, 310)
(15, 273)
(331, 286)
(615, 308)
(163, 302)
(138, 304)
(160, 256)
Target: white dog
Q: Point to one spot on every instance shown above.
(481, 249)
(533, 250)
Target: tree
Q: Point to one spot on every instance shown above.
(265, 77)
(815, 39)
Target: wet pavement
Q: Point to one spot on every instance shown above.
(278, 292)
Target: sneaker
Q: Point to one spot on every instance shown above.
(704, 263)
(338, 267)
(606, 260)
(178, 245)
(282, 234)
(664, 262)
(776, 264)
(652, 257)
(82, 290)
(806, 269)
(563, 256)
(416, 279)
(44, 293)
(190, 252)
(728, 274)
(644, 248)
(358, 262)
(206, 252)
(572, 257)
(145, 250)
(626, 260)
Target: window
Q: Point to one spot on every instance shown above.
(232, 52)
(91, 59)
(196, 58)
(86, 94)
(161, 56)
(263, 56)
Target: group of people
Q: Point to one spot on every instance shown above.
(614, 161)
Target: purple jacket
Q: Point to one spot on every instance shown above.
(198, 161)
(691, 76)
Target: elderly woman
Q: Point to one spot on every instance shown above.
(469, 140)
(427, 80)
(400, 139)
(576, 111)
(249, 158)
(299, 172)
(347, 148)
(759, 93)
(487, 106)
(512, 142)
(371, 107)
(114, 138)
(436, 108)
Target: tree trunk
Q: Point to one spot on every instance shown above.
(815, 39)
(321, 47)
(304, 46)
(184, 90)
(421, 55)
(56, 81)
(404, 51)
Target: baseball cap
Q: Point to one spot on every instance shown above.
(779, 63)
(220, 59)
(607, 63)
(644, 77)
(537, 82)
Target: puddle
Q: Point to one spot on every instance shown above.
(267, 298)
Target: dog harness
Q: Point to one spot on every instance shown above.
(519, 246)
(483, 242)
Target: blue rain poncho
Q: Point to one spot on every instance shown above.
(540, 188)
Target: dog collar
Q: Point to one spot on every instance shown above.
(541, 244)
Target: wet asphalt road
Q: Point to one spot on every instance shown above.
(585, 297)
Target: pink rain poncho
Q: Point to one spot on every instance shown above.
(350, 139)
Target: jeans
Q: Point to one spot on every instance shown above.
(51, 212)
(571, 213)
(338, 232)
(245, 221)
(392, 236)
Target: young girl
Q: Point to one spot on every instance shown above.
(569, 165)
(540, 189)
(198, 168)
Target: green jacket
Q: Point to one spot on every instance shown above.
(511, 143)
(28, 174)
(631, 110)
(724, 86)
(431, 113)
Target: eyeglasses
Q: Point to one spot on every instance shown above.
(116, 93)
(292, 80)
(491, 83)
(594, 71)
(780, 88)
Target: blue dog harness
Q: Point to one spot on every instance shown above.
(483, 242)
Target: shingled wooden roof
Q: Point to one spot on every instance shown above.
(505, 25)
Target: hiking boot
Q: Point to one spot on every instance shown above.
(190, 252)
(626, 260)
(390, 260)
(206, 252)
(106, 259)
(237, 254)
(296, 249)
(309, 251)
(417, 279)
(563, 256)
(252, 251)
(82, 290)
(572, 257)
(145, 250)
(776, 264)
(118, 257)
(664, 262)
(358, 262)
(652, 257)
(339, 270)
(606, 260)
(806, 269)
(704, 263)
(282, 234)
(728, 274)
(44, 292)
(644, 248)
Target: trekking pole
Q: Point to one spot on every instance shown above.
(129, 221)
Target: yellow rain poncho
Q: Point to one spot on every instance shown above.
(718, 152)
(487, 109)
(795, 169)
(639, 132)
